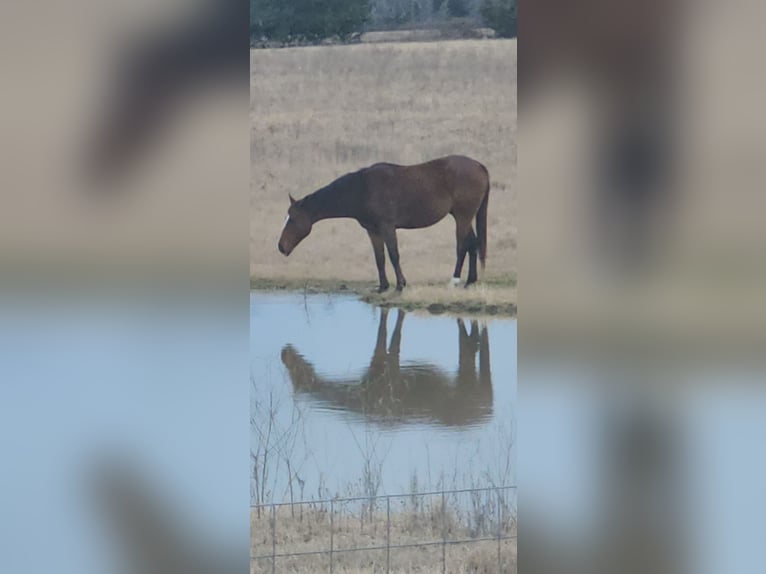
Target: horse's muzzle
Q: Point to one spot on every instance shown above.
(282, 250)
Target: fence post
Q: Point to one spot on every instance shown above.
(332, 522)
(273, 539)
(499, 561)
(388, 534)
(444, 535)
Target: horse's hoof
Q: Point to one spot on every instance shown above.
(381, 289)
(453, 282)
(470, 284)
(400, 288)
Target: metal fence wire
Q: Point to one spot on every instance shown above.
(449, 531)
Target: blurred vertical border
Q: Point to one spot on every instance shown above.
(124, 232)
(641, 279)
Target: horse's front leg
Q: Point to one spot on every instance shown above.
(389, 237)
(380, 259)
(396, 338)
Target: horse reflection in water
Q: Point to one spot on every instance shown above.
(390, 393)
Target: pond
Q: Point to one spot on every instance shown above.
(348, 399)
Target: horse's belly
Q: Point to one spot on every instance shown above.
(418, 217)
(421, 220)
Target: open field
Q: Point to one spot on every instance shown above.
(320, 112)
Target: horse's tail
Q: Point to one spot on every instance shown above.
(481, 225)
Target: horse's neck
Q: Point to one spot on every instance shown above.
(332, 202)
(302, 373)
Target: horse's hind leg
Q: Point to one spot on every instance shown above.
(485, 375)
(393, 253)
(380, 259)
(467, 355)
(473, 245)
(463, 233)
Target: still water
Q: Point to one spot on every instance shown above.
(346, 395)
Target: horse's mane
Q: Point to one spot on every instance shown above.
(348, 181)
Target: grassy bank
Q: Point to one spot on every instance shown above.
(495, 297)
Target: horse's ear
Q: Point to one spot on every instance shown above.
(292, 199)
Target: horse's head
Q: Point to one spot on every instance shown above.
(301, 372)
(297, 227)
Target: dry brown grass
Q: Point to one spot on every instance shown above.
(308, 530)
(319, 112)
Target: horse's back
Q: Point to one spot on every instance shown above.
(460, 173)
(466, 168)
(420, 195)
(441, 171)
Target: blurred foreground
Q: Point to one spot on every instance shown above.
(642, 275)
(123, 288)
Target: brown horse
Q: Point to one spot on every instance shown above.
(392, 392)
(385, 197)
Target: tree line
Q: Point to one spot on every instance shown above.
(315, 20)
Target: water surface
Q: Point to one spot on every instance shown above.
(348, 397)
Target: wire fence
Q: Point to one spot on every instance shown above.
(448, 531)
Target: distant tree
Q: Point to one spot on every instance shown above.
(458, 8)
(394, 12)
(307, 19)
(416, 11)
(501, 16)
